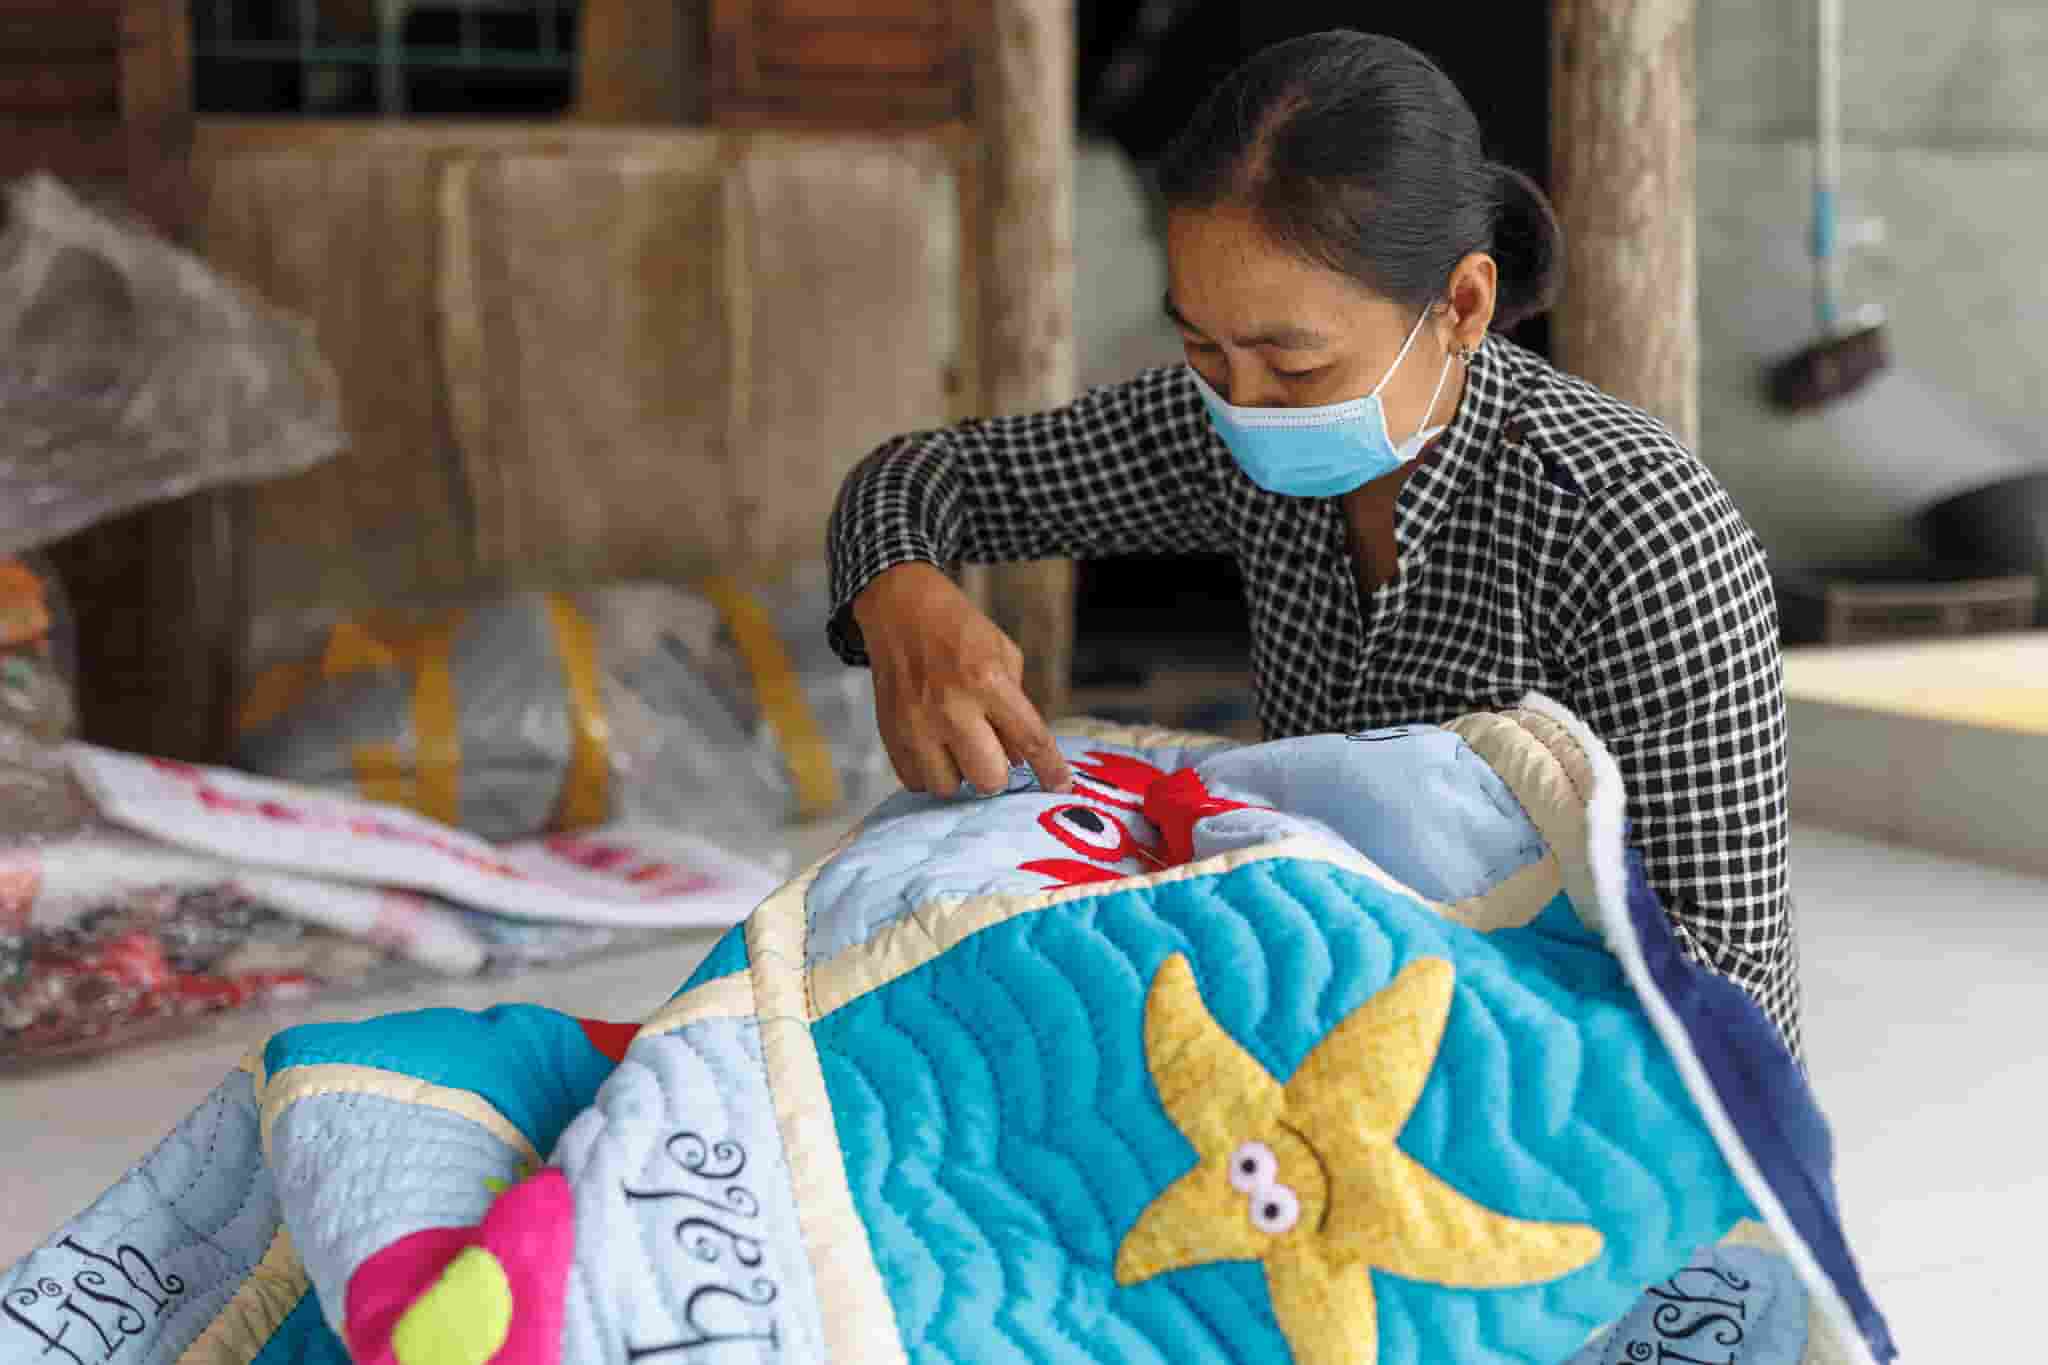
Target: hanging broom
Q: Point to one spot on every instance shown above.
(1845, 354)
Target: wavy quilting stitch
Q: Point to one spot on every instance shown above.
(971, 1290)
(1312, 929)
(992, 1130)
(863, 1126)
(211, 1160)
(258, 1193)
(348, 1186)
(962, 1313)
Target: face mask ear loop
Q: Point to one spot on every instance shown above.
(1413, 333)
(1434, 394)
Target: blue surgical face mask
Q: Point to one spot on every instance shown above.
(1321, 452)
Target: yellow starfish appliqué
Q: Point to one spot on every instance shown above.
(1306, 1177)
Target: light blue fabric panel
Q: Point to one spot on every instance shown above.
(1426, 808)
(1731, 1305)
(1415, 799)
(358, 1172)
(916, 849)
(140, 1274)
(688, 1244)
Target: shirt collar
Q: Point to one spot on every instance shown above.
(1492, 383)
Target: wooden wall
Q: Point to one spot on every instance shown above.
(577, 355)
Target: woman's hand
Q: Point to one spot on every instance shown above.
(949, 690)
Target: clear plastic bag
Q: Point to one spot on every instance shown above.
(155, 960)
(644, 704)
(131, 372)
(139, 896)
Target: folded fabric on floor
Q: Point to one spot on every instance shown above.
(1367, 1048)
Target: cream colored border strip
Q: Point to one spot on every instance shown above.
(1513, 902)
(246, 1323)
(297, 1083)
(728, 997)
(858, 1321)
(1552, 779)
(909, 943)
(1546, 773)
(787, 998)
(733, 997)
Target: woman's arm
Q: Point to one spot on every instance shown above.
(1676, 666)
(1126, 469)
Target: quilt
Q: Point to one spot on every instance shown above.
(1372, 1048)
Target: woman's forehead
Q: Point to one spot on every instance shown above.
(1225, 278)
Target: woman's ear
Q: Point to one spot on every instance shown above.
(1474, 291)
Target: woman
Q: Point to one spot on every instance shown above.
(1429, 519)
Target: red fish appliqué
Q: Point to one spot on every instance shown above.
(1107, 783)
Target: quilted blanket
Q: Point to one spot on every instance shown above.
(1353, 1048)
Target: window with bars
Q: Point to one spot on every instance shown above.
(384, 58)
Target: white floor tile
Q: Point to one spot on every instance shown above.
(1981, 1309)
(1927, 1034)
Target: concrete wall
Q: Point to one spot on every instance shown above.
(1119, 271)
(1945, 119)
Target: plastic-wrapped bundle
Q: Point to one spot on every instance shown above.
(40, 797)
(642, 703)
(149, 960)
(130, 373)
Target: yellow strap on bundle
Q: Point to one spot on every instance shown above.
(586, 789)
(780, 696)
(277, 691)
(430, 779)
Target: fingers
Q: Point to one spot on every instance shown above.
(945, 719)
(921, 765)
(1027, 738)
(978, 752)
(931, 769)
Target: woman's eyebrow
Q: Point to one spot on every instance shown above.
(1281, 336)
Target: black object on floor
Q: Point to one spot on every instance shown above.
(1848, 604)
(2003, 523)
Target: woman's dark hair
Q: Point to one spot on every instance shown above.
(1357, 152)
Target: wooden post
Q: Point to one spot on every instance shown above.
(1623, 126)
(156, 110)
(1024, 249)
(153, 592)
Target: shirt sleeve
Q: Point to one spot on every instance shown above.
(1677, 668)
(1126, 469)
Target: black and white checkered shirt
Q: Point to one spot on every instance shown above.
(1554, 538)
